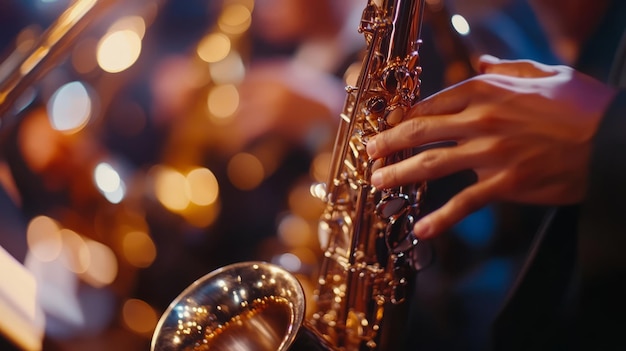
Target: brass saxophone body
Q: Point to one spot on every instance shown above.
(371, 255)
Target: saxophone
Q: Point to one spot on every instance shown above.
(371, 255)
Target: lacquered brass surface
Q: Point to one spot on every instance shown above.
(244, 306)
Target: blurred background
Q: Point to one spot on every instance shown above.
(169, 138)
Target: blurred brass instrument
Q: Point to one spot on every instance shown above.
(24, 67)
(371, 255)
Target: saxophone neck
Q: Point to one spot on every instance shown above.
(401, 20)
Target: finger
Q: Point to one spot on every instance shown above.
(488, 64)
(430, 164)
(416, 132)
(456, 209)
(447, 101)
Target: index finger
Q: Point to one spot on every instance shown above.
(416, 132)
(448, 101)
(441, 122)
(515, 68)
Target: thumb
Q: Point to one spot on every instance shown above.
(488, 64)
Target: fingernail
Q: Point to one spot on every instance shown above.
(377, 179)
(371, 147)
(486, 60)
(489, 59)
(422, 228)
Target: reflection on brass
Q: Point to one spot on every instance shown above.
(263, 325)
(244, 306)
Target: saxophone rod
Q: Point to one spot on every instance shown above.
(46, 53)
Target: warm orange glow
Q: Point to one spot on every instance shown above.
(118, 50)
(351, 76)
(223, 101)
(44, 239)
(249, 4)
(294, 231)
(69, 18)
(133, 23)
(318, 190)
(203, 187)
(34, 59)
(303, 203)
(103, 266)
(139, 249)
(271, 154)
(306, 255)
(38, 142)
(139, 316)
(230, 70)
(214, 47)
(94, 262)
(27, 38)
(170, 188)
(84, 56)
(60, 28)
(22, 315)
(235, 19)
(245, 171)
(77, 256)
(202, 216)
(56, 32)
(320, 166)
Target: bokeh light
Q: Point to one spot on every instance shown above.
(223, 101)
(202, 216)
(303, 203)
(107, 179)
(139, 249)
(44, 239)
(460, 24)
(139, 316)
(194, 195)
(109, 182)
(289, 261)
(70, 108)
(94, 262)
(230, 70)
(245, 171)
(203, 187)
(103, 267)
(118, 50)
(214, 47)
(320, 166)
(294, 231)
(78, 257)
(170, 188)
(235, 19)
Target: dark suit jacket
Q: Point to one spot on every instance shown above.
(571, 294)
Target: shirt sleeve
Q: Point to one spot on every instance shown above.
(602, 224)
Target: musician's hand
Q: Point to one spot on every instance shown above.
(525, 128)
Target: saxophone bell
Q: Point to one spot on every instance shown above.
(243, 306)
